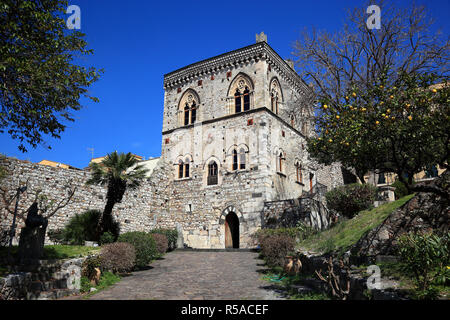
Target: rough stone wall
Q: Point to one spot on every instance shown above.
(134, 213)
(287, 213)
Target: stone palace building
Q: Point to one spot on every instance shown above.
(234, 143)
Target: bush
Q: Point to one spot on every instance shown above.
(348, 200)
(144, 244)
(161, 243)
(106, 237)
(83, 227)
(400, 189)
(171, 234)
(275, 248)
(56, 236)
(425, 255)
(301, 232)
(118, 257)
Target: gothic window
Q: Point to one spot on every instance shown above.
(292, 120)
(186, 114)
(186, 168)
(240, 92)
(298, 172)
(180, 169)
(280, 161)
(242, 159)
(235, 160)
(237, 101)
(212, 173)
(238, 159)
(246, 99)
(193, 112)
(189, 104)
(275, 96)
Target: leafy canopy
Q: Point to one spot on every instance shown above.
(401, 127)
(39, 82)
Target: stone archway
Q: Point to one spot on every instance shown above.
(231, 231)
(232, 220)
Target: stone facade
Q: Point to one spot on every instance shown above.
(221, 160)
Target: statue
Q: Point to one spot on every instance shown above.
(32, 237)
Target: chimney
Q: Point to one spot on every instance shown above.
(262, 37)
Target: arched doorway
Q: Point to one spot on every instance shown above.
(231, 231)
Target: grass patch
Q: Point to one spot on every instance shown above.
(278, 278)
(56, 251)
(107, 279)
(343, 235)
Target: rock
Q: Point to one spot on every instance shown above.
(424, 212)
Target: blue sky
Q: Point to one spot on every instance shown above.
(138, 41)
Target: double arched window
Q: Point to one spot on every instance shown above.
(238, 159)
(183, 168)
(239, 94)
(188, 106)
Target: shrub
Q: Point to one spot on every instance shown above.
(400, 189)
(425, 255)
(56, 236)
(106, 237)
(161, 243)
(348, 200)
(144, 244)
(300, 232)
(171, 234)
(83, 227)
(275, 248)
(118, 257)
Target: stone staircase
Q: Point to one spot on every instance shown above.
(43, 280)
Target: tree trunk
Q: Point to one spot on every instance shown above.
(105, 223)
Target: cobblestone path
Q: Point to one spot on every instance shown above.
(196, 275)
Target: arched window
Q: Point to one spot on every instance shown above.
(212, 173)
(242, 159)
(298, 172)
(235, 160)
(186, 114)
(180, 169)
(193, 112)
(186, 168)
(237, 101)
(189, 104)
(280, 160)
(275, 95)
(239, 94)
(246, 99)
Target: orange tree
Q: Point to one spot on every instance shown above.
(400, 126)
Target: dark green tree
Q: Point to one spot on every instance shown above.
(119, 172)
(39, 82)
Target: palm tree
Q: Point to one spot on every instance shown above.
(119, 172)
